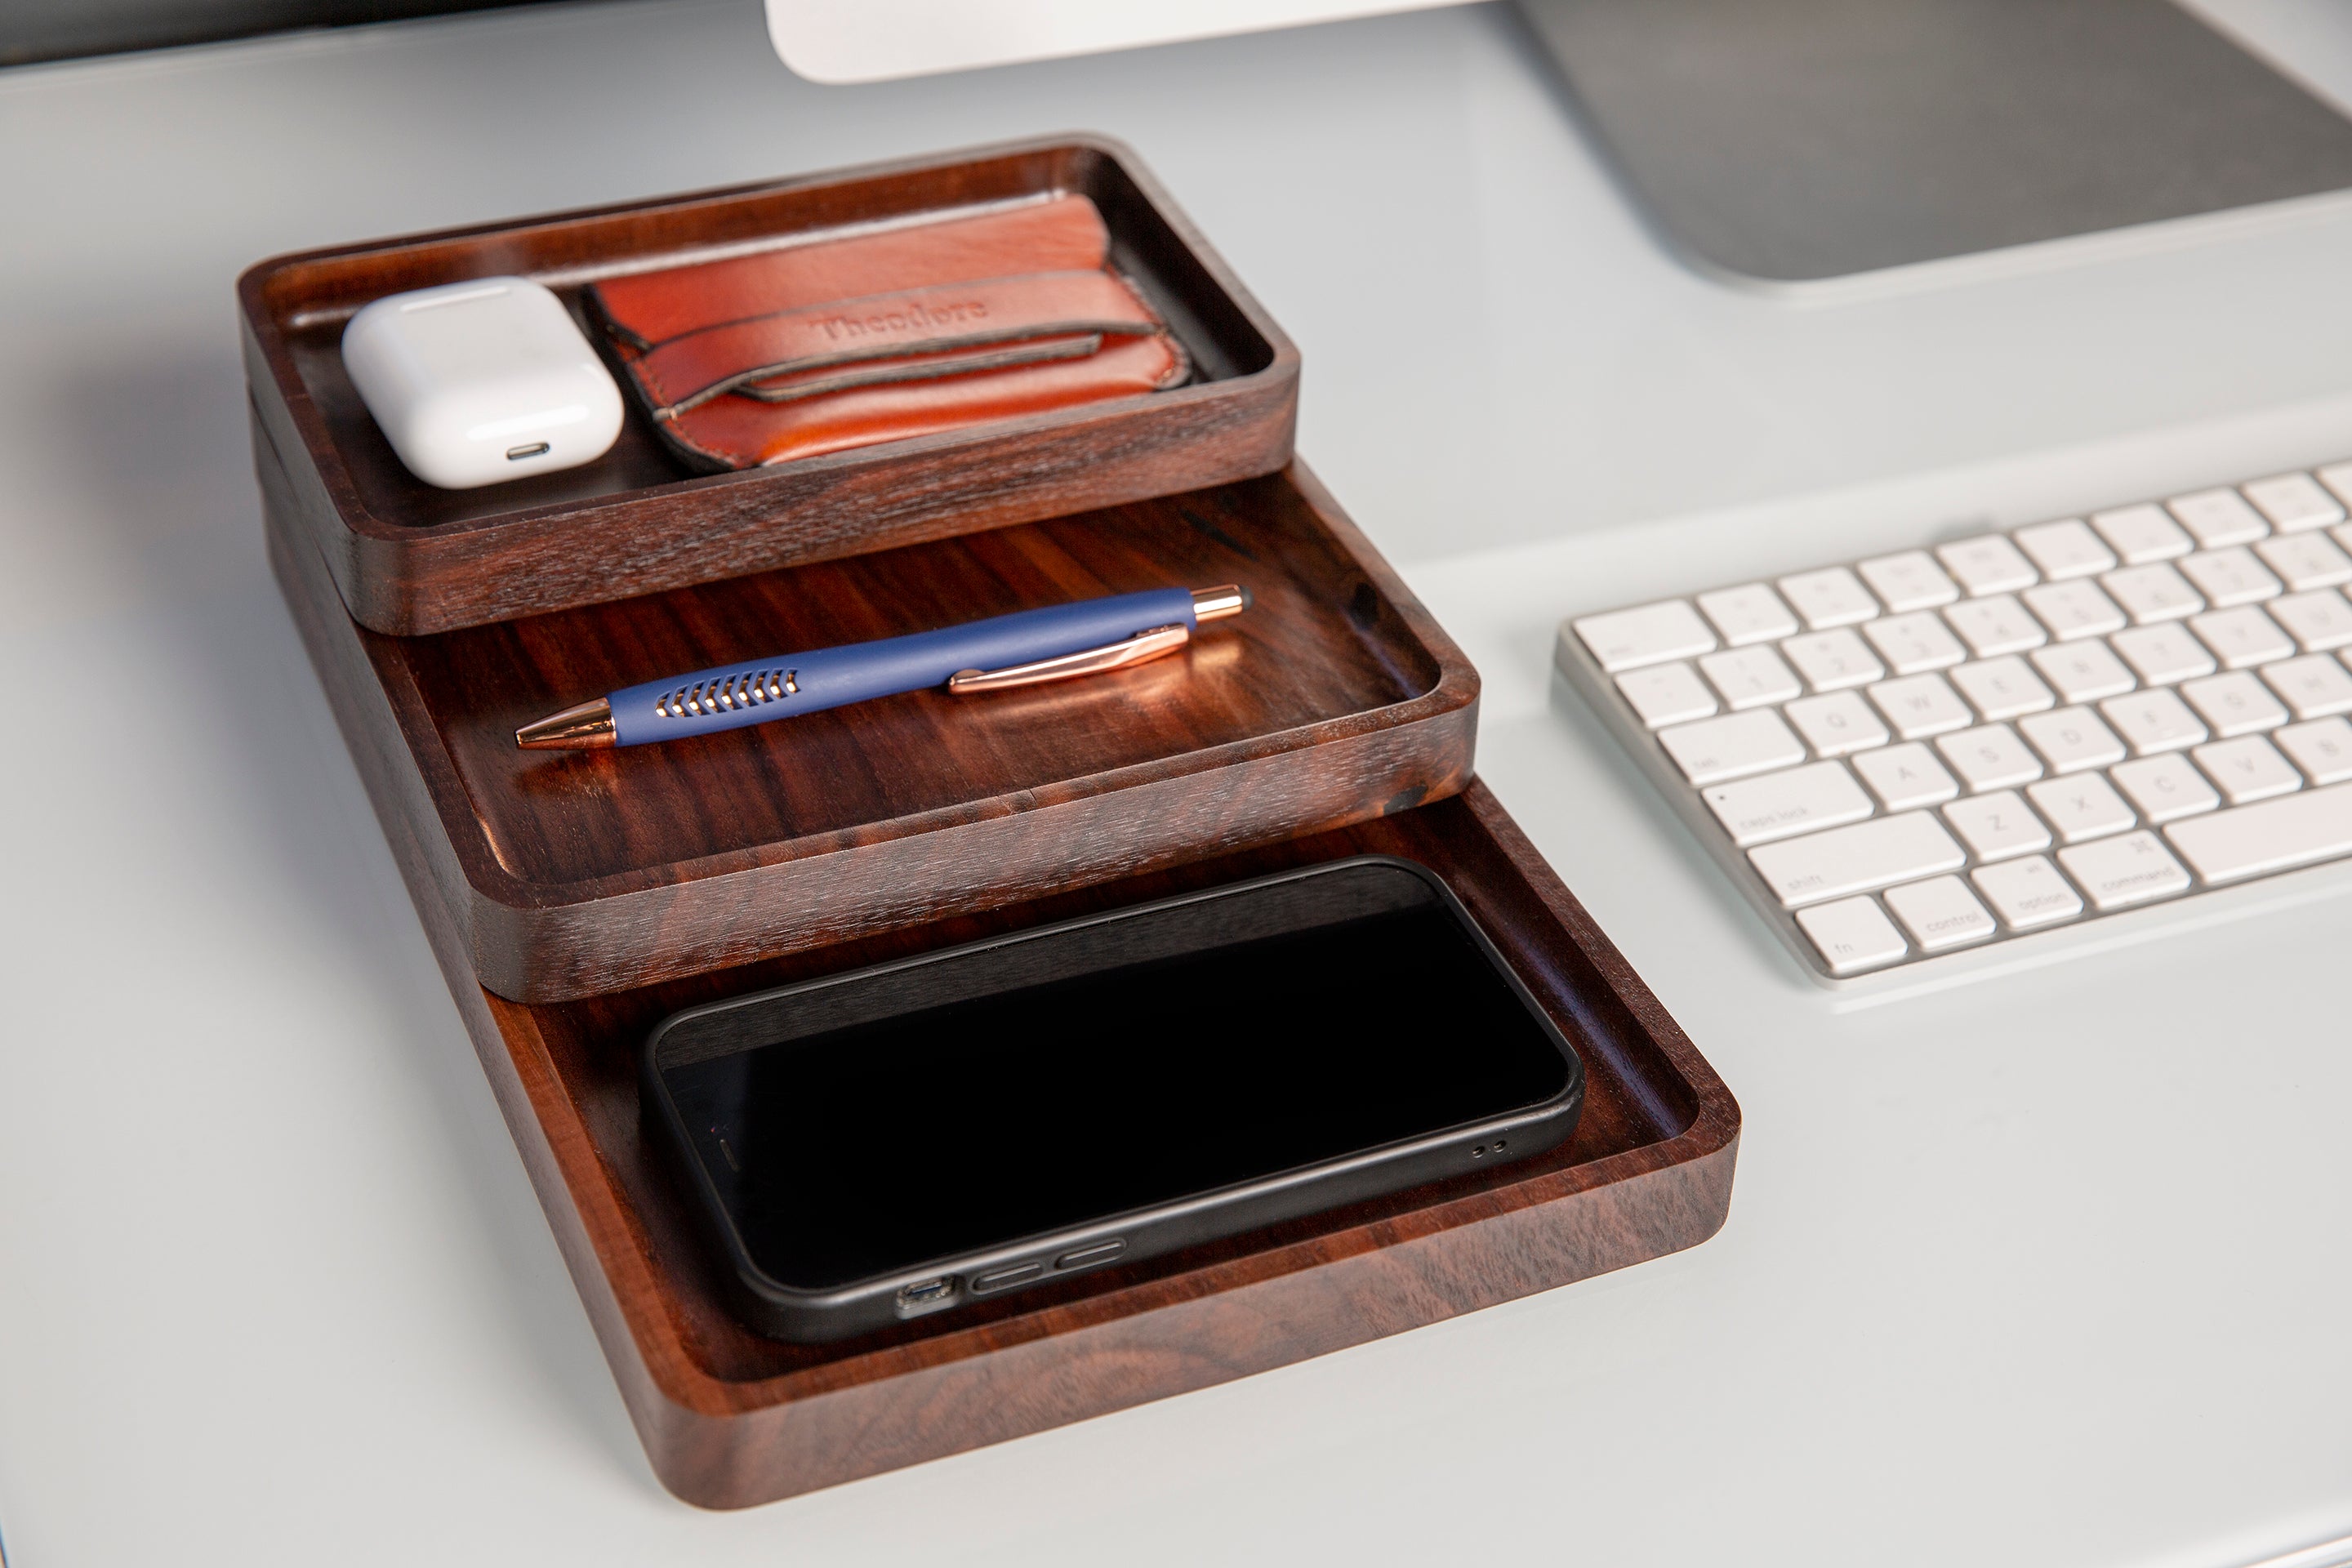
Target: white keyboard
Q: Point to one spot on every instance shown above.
(1945, 749)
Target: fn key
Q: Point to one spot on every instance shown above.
(1853, 935)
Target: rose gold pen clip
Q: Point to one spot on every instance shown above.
(1208, 604)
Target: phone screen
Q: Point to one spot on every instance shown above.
(853, 1153)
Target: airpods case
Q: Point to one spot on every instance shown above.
(480, 382)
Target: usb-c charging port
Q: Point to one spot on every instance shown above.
(533, 450)
(925, 1295)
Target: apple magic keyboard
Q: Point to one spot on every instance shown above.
(2005, 737)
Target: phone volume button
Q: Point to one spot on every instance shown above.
(998, 1278)
(1096, 1252)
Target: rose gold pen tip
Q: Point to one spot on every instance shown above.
(581, 727)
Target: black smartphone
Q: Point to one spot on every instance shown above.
(914, 1137)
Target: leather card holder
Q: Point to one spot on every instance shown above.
(904, 332)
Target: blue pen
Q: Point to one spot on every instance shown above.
(1055, 644)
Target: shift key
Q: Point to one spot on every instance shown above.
(1857, 859)
(2274, 836)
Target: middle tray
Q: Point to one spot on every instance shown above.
(1334, 699)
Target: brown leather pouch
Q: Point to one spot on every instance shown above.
(877, 336)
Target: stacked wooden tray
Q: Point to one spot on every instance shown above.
(575, 899)
(409, 558)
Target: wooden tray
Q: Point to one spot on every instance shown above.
(412, 559)
(730, 1419)
(1334, 699)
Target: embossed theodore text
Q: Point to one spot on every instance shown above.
(912, 318)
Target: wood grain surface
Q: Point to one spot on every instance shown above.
(1333, 698)
(410, 559)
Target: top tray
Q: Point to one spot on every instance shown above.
(410, 559)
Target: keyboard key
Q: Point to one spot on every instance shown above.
(1831, 598)
(1987, 564)
(1859, 859)
(2155, 593)
(2142, 533)
(2299, 830)
(1939, 914)
(2228, 577)
(1989, 757)
(2082, 808)
(1750, 677)
(1778, 805)
(1752, 613)
(2247, 769)
(1833, 661)
(1997, 825)
(1733, 746)
(2164, 788)
(1906, 777)
(1996, 626)
(2243, 637)
(2337, 477)
(2315, 687)
(2064, 549)
(1627, 639)
(2071, 740)
(1920, 706)
(1853, 935)
(2322, 749)
(1916, 643)
(1666, 694)
(2234, 704)
(2119, 872)
(2073, 610)
(1837, 723)
(1911, 581)
(2027, 893)
(2318, 621)
(2218, 518)
(2002, 689)
(2153, 722)
(2083, 672)
(2294, 502)
(2305, 560)
(2163, 653)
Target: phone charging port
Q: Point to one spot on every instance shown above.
(926, 1295)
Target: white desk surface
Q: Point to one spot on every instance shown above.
(2045, 1269)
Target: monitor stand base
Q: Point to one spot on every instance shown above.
(1793, 142)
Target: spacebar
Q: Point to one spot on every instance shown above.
(2274, 836)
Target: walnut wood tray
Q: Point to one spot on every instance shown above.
(412, 559)
(730, 1419)
(569, 873)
